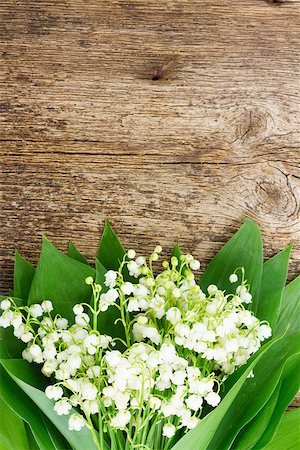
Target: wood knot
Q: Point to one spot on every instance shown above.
(253, 125)
(277, 2)
(269, 191)
(164, 69)
(274, 194)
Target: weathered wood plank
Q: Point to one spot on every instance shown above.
(149, 198)
(84, 71)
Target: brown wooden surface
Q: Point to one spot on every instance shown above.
(87, 133)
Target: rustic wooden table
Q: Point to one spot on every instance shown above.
(174, 119)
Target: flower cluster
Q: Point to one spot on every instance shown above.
(178, 344)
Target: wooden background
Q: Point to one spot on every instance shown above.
(174, 119)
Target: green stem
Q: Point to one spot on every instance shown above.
(100, 431)
(127, 445)
(94, 434)
(158, 437)
(120, 439)
(127, 337)
(146, 427)
(95, 315)
(113, 440)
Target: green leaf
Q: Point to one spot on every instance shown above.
(75, 254)
(23, 276)
(110, 252)
(245, 399)
(287, 436)
(31, 373)
(261, 429)
(56, 437)
(79, 440)
(12, 430)
(290, 308)
(244, 249)
(25, 408)
(100, 276)
(32, 442)
(272, 286)
(251, 433)
(290, 384)
(60, 279)
(257, 391)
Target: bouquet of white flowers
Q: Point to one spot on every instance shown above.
(132, 357)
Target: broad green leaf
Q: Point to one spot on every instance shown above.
(31, 373)
(290, 384)
(272, 286)
(75, 254)
(23, 276)
(287, 436)
(244, 249)
(12, 345)
(290, 308)
(251, 433)
(262, 427)
(248, 395)
(100, 276)
(21, 404)
(3, 353)
(32, 442)
(25, 408)
(257, 392)
(56, 437)
(60, 279)
(80, 440)
(111, 251)
(12, 430)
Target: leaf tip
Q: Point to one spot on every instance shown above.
(176, 250)
(70, 245)
(44, 239)
(107, 224)
(251, 223)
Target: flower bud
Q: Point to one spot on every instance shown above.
(89, 280)
(131, 254)
(154, 256)
(174, 261)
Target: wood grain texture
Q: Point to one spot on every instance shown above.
(174, 119)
